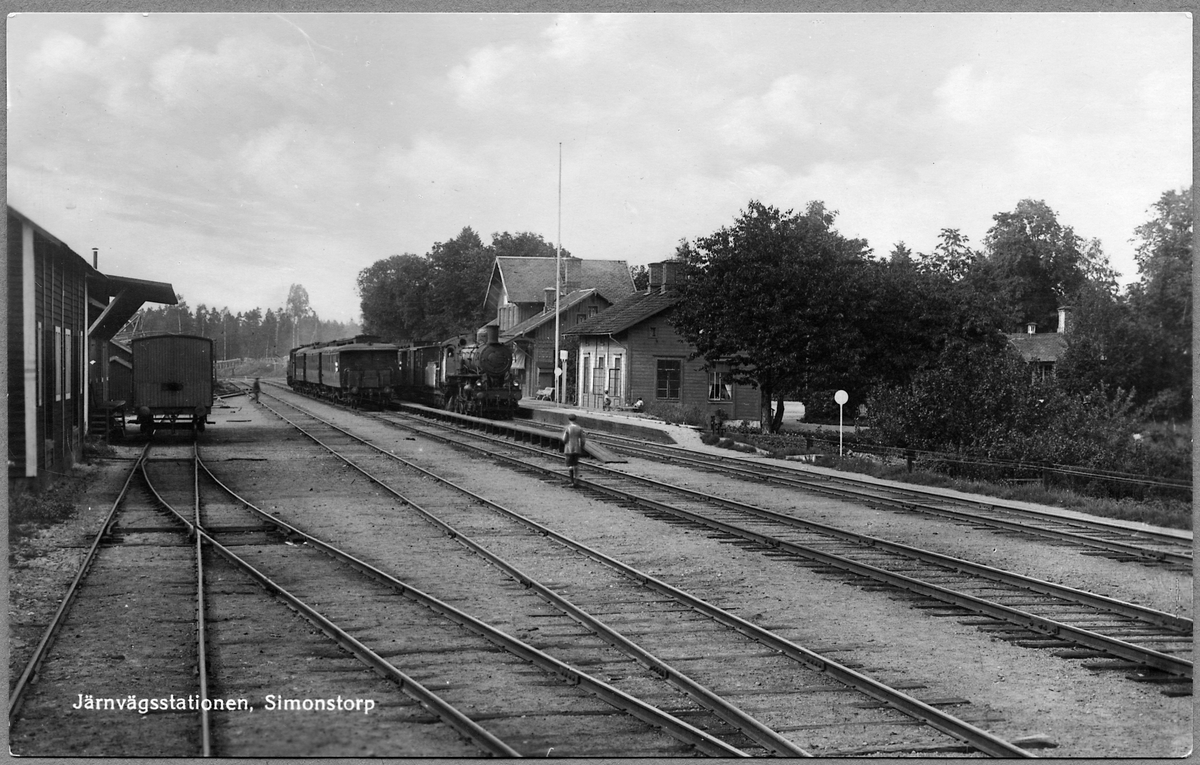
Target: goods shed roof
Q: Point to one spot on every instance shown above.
(128, 295)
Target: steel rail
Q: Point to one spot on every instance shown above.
(1042, 625)
(753, 728)
(1130, 610)
(18, 695)
(201, 650)
(630, 704)
(409, 686)
(1080, 533)
(908, 705)
(1166, 662)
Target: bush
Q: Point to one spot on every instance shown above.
(677, 414)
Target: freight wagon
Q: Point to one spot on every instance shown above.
(172, 381)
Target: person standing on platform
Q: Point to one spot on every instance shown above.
(255, 389)
(574, 441)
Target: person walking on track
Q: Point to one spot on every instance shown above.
(574, 441)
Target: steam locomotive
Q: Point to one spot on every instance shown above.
(462, 376)
(358, 370)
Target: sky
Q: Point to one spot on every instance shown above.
(233, 155)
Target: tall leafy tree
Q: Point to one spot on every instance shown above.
(952, 257)
(774, 296)
(395, 298)
(1034, 264)
(524, 244)
(1161, 300)
(462, 267)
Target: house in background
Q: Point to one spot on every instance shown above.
(1042, 350)
(521, 296)
(62, 312)
(631, 351)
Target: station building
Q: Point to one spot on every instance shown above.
(521, 295)
(62, 313)
(630, 351)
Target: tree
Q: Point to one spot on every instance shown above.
(952, 257)
(461, 269)
(523, 245)
(1161, 301)
(395, 297)
(1034, 264)
(774, 297)
(640, 276)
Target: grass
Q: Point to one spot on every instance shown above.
(1170, 513)
(30, 512)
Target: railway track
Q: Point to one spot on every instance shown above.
(111, 646)
(671, 634)
(1146, 546)
(1146, 644)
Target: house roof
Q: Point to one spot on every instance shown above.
(625, 313)
(1043, 346)
(526, 279)
(567, 302)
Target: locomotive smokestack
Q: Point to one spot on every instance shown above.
(491, 334)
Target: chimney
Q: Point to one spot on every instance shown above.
(1063, 314)
(668, 275)
(1031, 328)
(549, 300)
(572, 276)
(656, 277)
(96, 258)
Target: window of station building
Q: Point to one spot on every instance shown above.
(593, 310)
(58, 348)
(719, 387)
(669, 374)
(68, 366)
(587, 372)
(598, 375)
(614, 376)
(40, 354)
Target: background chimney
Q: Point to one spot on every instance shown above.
(668, 275)
(1064, 314)
(548, 294)
(96, 258)
(1031, 328)
(656, 277)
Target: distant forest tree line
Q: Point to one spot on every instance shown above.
(254, 334)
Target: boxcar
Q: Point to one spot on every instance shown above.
(172, 380)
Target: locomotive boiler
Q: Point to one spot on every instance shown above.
(462, 376)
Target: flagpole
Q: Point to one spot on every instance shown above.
(558, 391)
